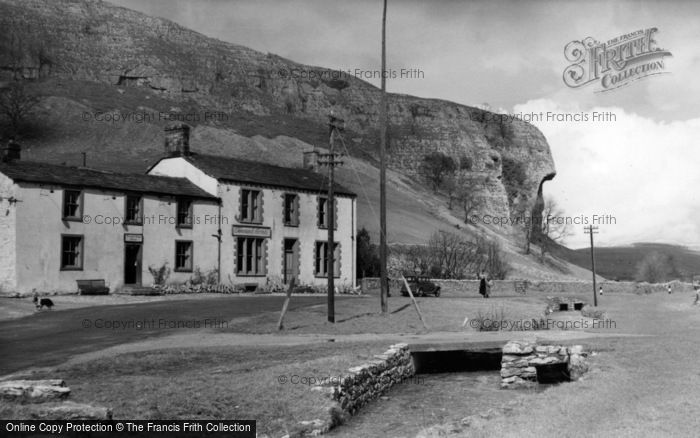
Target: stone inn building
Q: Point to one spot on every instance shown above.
(249, 222)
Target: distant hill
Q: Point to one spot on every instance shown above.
(620, 262)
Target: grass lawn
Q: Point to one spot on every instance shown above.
(362, 315)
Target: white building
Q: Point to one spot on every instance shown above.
(59, 224)
(247, 222)
(274, 220)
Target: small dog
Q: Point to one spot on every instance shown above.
(40, 303)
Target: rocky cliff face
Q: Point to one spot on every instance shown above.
(91, 40)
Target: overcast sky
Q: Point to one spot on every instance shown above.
(642, 167)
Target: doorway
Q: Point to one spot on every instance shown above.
(132, 263)
(290, 270)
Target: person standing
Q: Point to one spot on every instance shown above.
(600, 290)
(668, 287)
(482, 284)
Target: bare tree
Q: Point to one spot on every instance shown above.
(450, 186)
(523, 221)
(468, 195)
(452, 253)
(15, 105)
(492, 259)
(554, 226)
(656, 268)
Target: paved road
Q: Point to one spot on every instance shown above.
(50, 337)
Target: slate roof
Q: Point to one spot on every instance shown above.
(256, 173)
(44, 173)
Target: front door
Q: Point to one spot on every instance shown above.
(291, 260)
(132, 263)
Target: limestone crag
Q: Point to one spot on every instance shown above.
(91, 40)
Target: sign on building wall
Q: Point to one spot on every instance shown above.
(133, 238)
(239, 230)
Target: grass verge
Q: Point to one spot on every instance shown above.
(270, 385)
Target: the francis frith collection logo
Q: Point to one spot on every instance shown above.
(615, 63)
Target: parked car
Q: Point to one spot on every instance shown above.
(420, 287)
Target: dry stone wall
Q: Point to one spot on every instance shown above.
(557, 304)
(365, 383)
(513, 288)
(521, 359)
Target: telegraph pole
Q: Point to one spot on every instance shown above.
(382, 177)
(336, 125)
(593, 230)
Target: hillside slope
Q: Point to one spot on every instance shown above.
(112, 78)
(620, 262)
(263, 94)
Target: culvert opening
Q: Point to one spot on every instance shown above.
(578, 306)
(453, 361)
(553, 373)
(563, 307)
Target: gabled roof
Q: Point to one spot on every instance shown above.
(256, 173)
(80, 177)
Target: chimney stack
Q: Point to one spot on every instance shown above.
(177, 140)
(311, 160)
(12, 152)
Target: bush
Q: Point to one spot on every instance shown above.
(496, 320)
(160, 275)
(273, 284)
(187, 288)
(209, 278)
(592, 312)
(436, 166)
(367, 255)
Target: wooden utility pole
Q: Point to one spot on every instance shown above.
(593, 230)
(384, 294)
(285, 306)
(335, 125)
(415, 303)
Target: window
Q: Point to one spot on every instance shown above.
(134, 215)
(184, 213)
(321, 254)
(291, 209)
(250, 256)
(72, 205)
(323, 213)
(251, 206)
(71, 253)
(183, 255)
